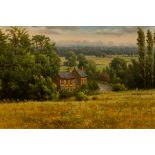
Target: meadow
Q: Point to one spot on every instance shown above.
(128, 109)
(101, 62)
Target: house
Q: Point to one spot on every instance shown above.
(71, 79)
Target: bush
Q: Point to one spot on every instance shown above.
(93, 85)
(81, 96)
(118, 87)
(95, 98)
(84, 89)
(65, 93)
(42, 88)
(104, 77)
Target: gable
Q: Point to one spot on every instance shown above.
(80, 72)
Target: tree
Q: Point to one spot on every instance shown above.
(42, 88)
(24, 71)
(117, 70)
(142, 55)
(82, 61)
(41, 43)
(91, 70)
(3, 44)
(133, 79)
(71, 60)
(19, 41)
(150, 59)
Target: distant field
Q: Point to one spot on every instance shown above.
(100, 61)
(104, 62)
(128, 109)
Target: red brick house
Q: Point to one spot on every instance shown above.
(71, 79)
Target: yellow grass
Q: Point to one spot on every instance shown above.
(129, 109)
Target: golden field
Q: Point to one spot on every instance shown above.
(101, 62)
(128, 109)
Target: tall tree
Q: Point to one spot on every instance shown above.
(41, 43)
(154, 62)
(71, 60)
(82, 61)
(3, 40)
(19, 40)
(142, 55)
(150, 59)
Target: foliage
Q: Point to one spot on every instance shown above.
(71, 60)
(142, 55)
(81, 96)
(118, 87)
(42, 88)
(117, 70)
(150, 60)
(27, 68)
(92, 85)
(82, 61)
(91, 70)
(98, 51)
(133, 79)
(104, 77)
(64, 93)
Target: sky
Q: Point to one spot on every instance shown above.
(89, 35)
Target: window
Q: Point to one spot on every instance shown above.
(61, 82)
(64, 81)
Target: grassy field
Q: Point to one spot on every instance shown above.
(128, 109)
(101, 62)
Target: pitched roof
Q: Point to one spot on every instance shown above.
(66, 75)
(82, 73)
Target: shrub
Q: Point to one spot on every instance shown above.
(118, 87)
(95, 98)
(84, 89)
(92, 85)
(81, 96)
(65, 93)
(104, 77)
(42, 88)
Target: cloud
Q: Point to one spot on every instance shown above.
(116, 30)
(56, 30)
(66, 28)
(121, 30)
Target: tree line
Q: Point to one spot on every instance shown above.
(139, 73)
(98, 51)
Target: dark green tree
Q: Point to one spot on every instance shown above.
(117, 70)
(71, 60)
(150, 59)
(82, 61)
(142, 55)
(21, 66)
(133, 79)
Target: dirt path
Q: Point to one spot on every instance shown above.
(104, 87)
